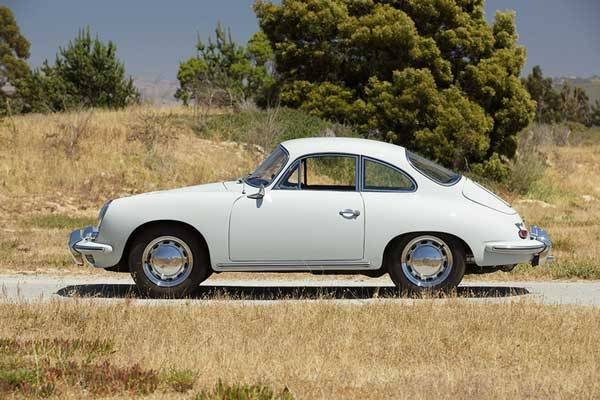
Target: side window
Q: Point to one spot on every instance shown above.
(292, 179)
(322, 172)
(379, 176)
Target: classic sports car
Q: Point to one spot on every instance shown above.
(321, 205)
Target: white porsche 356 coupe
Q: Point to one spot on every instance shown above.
(321, 205)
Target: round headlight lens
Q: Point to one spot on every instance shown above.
(102, 212)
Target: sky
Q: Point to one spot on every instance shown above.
(153, 36)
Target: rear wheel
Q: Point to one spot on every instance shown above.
(168, 261)
(427, 262)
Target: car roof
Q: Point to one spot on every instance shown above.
(366, 147)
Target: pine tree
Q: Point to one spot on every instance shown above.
(14, 51)
(432, 75)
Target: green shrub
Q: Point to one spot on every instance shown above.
(268, 127)
(180, 380)
(224, 391)
(493, 169)
(526, 169)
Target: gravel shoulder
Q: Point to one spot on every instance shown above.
(32, 288)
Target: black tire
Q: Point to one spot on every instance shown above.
(200, 265)
(406, 284)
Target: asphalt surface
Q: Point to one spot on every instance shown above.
(34, 288)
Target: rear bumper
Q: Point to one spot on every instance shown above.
(83, 246)
(536, 251)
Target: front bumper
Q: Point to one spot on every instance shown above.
(536, 251)
(83, 246)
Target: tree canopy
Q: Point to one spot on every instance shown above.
(86, 73)
(223, 72)
(14, 51)
(432, 75)
(568, 104)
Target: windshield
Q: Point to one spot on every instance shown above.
(268, 169)
(432, 170)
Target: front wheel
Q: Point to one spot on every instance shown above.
(168, 262)
(427, 262)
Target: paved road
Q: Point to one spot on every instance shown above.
(23, 288)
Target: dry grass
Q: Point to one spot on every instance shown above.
(56, 170)
(566, 202)
(319, 350)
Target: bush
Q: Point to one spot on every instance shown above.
(493, 169)
(180, 380)
(526, 169)
(224, 391)
(268, 127)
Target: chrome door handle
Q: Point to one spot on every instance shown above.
(348, 213)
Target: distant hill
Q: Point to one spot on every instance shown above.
(157, 91)
(162, 91)
(590, 85)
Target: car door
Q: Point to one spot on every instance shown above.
(314, 213)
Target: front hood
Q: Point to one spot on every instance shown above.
(480, 195)
(208, 187)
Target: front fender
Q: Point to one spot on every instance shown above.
(208, 213)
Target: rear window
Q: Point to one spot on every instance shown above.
(432, 170)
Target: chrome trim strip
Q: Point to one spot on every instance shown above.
(294, 266)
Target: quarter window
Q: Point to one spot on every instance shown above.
(322, 172)
(379, 176)
(433, 171)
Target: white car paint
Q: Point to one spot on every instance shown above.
(303, 230)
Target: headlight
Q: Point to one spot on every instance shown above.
(102, 212)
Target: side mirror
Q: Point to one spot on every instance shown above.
(258, 195)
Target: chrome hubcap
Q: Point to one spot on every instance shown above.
(167, 261)
(426, 261)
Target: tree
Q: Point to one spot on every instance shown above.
(548, 100)
(428, 74)
(14, 51)
(86, 73)
(595, 114)
(575, 104)
(225, 73)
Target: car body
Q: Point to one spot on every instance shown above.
(325, 205)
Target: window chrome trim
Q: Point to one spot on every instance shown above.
(357, 174)
(277, 175)
(387, 164)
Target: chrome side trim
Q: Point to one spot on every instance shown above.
(294, 266)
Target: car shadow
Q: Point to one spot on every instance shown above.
(226, 292)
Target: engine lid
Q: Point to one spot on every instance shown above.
(480, 195)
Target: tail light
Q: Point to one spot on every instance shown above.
(523, 233)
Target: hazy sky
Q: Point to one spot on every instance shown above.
(152, 36)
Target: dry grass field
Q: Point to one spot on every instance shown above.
(56, 171)
(428, 350)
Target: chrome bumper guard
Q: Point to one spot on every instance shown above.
(82, 245)
(544, 257)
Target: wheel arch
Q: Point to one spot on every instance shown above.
(390, 244)
(124, 267)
